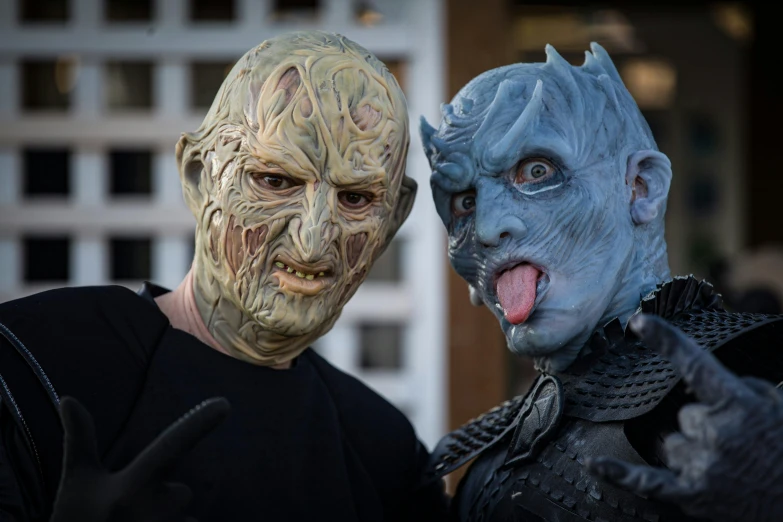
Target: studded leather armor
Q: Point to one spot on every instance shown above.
(620, 399)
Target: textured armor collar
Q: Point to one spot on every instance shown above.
(683, 293)
(617, 378)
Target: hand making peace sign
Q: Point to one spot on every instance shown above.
(90, 493)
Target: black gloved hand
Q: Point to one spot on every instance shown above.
(90, 493)
(726, 463)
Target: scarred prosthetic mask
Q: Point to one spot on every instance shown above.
(553, 192)
(297, 180)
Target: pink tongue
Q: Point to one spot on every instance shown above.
(516, 291)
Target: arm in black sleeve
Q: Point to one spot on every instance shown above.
(427, 500)
(12, 504)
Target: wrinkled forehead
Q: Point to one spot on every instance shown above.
(497, 119)
(574, 115)
(330, 114)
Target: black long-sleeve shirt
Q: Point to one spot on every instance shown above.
(307, 443)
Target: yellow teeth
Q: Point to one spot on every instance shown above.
(301, 275)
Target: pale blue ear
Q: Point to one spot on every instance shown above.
(427, 131)
(649, 174)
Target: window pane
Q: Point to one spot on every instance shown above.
(130, 172)
(211, 10)
(129, 85)
(128, 10)
(367, 13)
(46, 259)
(388, 267)
(206, 78)
(295, 8)
(380, 346)
(46, 84)
(46, 172)
(43, 11)
(130, 258)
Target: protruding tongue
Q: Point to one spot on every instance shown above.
(516, 291)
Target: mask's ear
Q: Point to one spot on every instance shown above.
(649, 174)
(191, 172)
(408, 189)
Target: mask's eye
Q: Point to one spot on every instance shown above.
(534, 170)
(272, 181)
(463, 203)
(354, 200)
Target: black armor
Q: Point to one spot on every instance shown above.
(620, 399)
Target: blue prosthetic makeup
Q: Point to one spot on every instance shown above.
(553, 193)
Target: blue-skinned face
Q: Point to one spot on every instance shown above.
(552, 191)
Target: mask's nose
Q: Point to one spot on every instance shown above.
(495, 221)
(310, 231)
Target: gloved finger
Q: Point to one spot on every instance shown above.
(176, 441)
(704, 374)
(678, 450)
(693, 420)
(80, 446)
(655, 482)
(765, 389)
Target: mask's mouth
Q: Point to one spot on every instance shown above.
(518, 289)
(302, 278)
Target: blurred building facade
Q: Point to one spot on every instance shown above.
(93, 97)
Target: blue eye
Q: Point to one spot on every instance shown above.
(463, 203)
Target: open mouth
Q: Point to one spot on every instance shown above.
(519, 289)
(301, 278)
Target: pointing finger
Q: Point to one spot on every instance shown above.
(655, 482)
(709, 379)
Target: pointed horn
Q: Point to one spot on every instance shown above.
(591, 64)
(426, 131)
(499, 105)
(609, 87)
(606, 62)
(447, 110)
(554, 59)
(514, 134)
(565, 72)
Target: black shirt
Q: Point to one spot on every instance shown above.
(307, 443)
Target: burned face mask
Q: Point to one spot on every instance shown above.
(297, 180)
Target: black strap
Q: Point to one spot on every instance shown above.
(32, 363)
(13, 406)
(7, 397)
